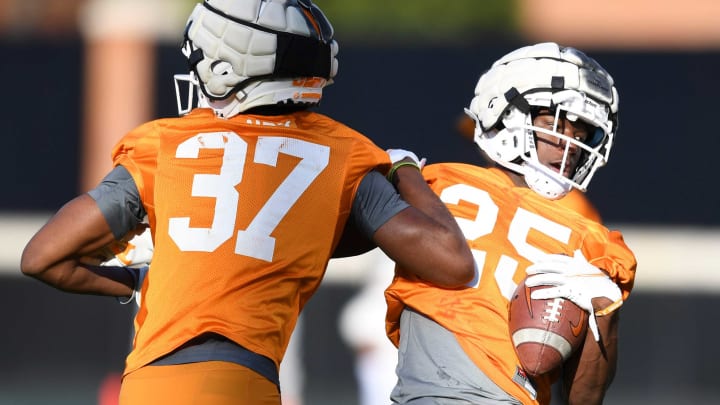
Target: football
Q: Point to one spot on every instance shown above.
(544, 332)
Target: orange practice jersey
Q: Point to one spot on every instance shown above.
(507, 228)
(577, 201)
(245, 214)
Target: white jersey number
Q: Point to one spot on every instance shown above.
(255, 241)
(520, 226)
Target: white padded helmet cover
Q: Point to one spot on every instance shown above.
(234, 52)
(532, 68)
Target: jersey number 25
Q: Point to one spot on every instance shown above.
(484, 224)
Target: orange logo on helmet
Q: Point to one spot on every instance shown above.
(311, 82)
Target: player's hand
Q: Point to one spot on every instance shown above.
(400, 158)
(397, 155)
(135, 259)
(138, 251)
(575, 279)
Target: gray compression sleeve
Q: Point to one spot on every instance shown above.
(376, 201)
(119, 201)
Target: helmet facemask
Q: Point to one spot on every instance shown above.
(185, 92)
(504, 121)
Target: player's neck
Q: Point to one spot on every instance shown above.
(517, 179)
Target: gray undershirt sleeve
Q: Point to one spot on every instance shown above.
(376, 201)
(119, 201)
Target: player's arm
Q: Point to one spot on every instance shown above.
(353, 241)
(412, 226)
(54, 254)
(588, 374)
(425, 239)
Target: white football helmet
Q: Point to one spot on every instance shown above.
(249, 53)
(561, 79)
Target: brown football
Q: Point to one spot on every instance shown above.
(544, 332)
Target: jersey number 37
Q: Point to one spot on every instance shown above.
(254, 241)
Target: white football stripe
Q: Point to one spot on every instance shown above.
(530, 335)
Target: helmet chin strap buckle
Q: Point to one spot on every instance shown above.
(539, 179)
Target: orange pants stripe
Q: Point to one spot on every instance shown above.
(205, 383)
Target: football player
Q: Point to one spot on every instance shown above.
(247, 198)
(546, 116)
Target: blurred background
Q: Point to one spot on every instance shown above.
(78, 74)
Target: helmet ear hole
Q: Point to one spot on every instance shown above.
(501, 146)
(220, 67)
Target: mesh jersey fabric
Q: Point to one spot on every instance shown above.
(577, 201)
(245, 214)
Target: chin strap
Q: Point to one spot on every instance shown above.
(541, 182)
